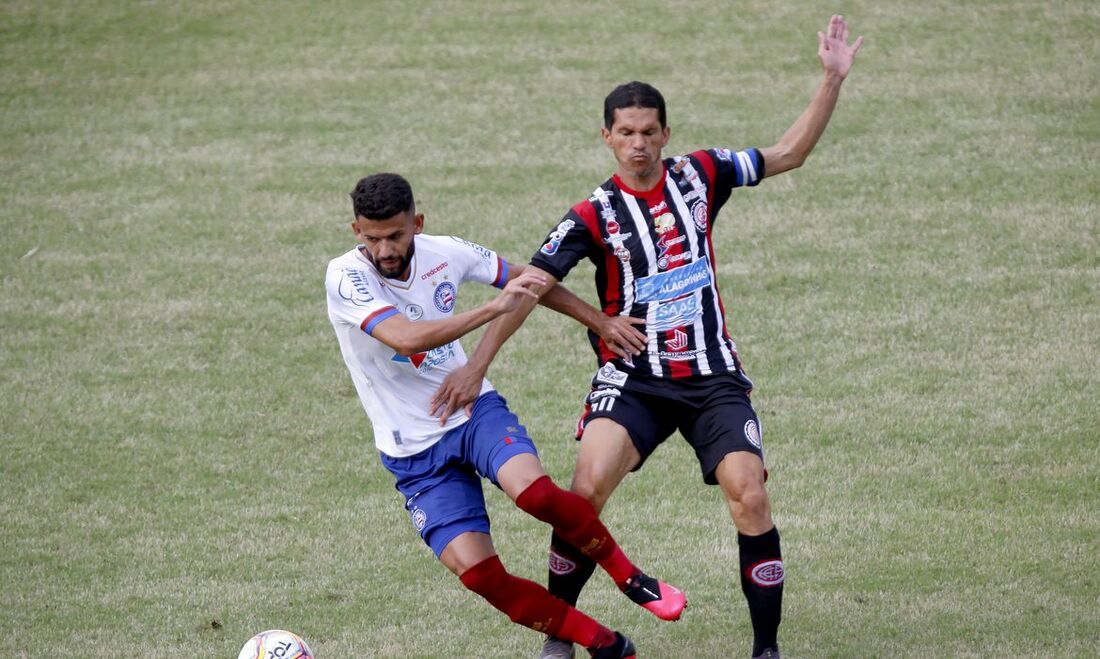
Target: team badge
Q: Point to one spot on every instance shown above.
(419, 518)
(445, 296)
(699, 214)
(752, 432)
(767, 573)
(560, 564)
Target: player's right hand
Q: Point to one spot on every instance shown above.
(459, 389)
(621, 336)
(529, 285)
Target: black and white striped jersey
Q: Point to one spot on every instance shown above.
(654, 260)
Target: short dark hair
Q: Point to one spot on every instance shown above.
(381, 196)
(633, 95)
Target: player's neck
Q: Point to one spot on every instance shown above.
(639, 184)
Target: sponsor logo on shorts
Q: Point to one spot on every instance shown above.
(611, 375)
(603, 399)
(767, 573)
(752, 432)
(419, 518)
(560, 564)
(445, 296)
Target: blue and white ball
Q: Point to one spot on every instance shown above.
(275, 644)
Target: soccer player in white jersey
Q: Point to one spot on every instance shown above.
(391, 300)
(647, 230)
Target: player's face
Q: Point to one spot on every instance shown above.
(636, 138)
(389, 243)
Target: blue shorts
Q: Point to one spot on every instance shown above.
(442, 484)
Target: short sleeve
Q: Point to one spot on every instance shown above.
(480, 264)
(565, 246)
(734, 169)
(354, 300)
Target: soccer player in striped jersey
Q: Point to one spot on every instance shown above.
(391, 301)
(647, 230)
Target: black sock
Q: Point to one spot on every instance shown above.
(569, 570)
(762, 583)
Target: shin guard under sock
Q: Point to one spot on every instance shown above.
(529, 604)
(575, 521)
(762, 578)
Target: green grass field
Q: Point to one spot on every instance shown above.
(184, 460)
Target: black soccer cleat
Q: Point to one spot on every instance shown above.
(622, 648)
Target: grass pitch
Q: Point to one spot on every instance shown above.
(185, 462)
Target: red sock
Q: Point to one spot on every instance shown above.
(529, 604)
(574, 519)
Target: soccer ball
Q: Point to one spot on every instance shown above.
(275, 644)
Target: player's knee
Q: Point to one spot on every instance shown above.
(754, 498)
(486, 578)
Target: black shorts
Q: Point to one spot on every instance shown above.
(712, 412)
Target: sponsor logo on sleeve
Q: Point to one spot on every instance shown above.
(553, 241)
(724, 154)
(674, 283)
(353, 287)
(445, 296)
(483, 252)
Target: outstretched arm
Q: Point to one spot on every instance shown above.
(407, 337)
(460, 386)
(836, 57)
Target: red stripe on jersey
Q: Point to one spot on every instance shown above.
(366, 324)
(587, 212)
(710, 169)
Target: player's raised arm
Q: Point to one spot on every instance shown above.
(407, 337)
(836, 56)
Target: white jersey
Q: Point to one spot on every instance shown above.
(396, 390)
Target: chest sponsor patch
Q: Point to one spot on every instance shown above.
(674, 283)
(676, 313)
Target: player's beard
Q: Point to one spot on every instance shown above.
(399, 271)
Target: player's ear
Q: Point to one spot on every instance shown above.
(418, 223)
(606, 135)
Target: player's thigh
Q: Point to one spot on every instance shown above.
(607, 454)
(494, 438)
(466, 550)
(724, 424)
(518, 472)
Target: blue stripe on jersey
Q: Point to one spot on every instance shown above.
(378, 316)
(502, 273)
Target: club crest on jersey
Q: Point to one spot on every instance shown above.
(445, 296)
(674, 283)
(353, 287)
(752, 432)
(553, 241)
(699, 215)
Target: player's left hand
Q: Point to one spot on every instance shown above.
(459, 389)
(833, 50)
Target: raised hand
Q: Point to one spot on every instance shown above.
(833, 50)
